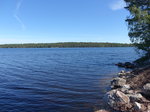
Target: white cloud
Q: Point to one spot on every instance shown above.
(18, 5)
(118, 5)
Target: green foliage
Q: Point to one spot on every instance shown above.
(139, 23)
(64, 45)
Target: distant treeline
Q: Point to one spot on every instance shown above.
(64, 45)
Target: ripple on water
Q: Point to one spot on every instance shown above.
(57, 80)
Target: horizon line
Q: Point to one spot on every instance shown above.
(62, 42)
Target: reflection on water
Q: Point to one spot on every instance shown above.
(57, 79)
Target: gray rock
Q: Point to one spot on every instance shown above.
(139, 107)
(126, 86)
(136, 97)
(148, 108)
(120, 64)
(118, 100)
(129, 65)
(128, 91)
(118, 83)
(102, 111)
(122, 73)
(126, 65)
(146, 90)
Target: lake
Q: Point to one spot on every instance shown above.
(58, 79)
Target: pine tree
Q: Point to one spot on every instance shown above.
(139, 23)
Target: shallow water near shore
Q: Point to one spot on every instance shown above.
(58, 79)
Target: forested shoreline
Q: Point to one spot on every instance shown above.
(65, 45)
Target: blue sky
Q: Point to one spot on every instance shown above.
(46, 21)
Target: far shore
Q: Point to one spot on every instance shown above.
(66, 45)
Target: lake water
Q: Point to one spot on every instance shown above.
(57, 79)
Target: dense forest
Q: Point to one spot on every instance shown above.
(64, 45)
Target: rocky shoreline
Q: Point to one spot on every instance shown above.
(130, 92)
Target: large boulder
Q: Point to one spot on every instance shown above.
(118, 100)
(118, 83)
(146, 90)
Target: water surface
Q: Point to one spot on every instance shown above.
(57, 79)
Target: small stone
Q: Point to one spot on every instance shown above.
(129, 92)
(148, 107)
(147, 86)
(128, 72)
(146, 90)
(102, 111)
(129, 65)
(139, 107)
(120, 64)
(122, 73)
(118, 83)
(124, 77)
(126, 65)
(126, 86)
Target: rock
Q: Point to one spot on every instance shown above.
(123, 73)
(129, 65)
(128, 73)
(126, 65)
(139, 107)
(146, 90)
(120, 64)
(118, 100)
(102, 111)
(148, 107)
(129, 92)
(118, 83)
(136, 98)
(125, 88)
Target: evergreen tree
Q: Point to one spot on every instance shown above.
(139, 23)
